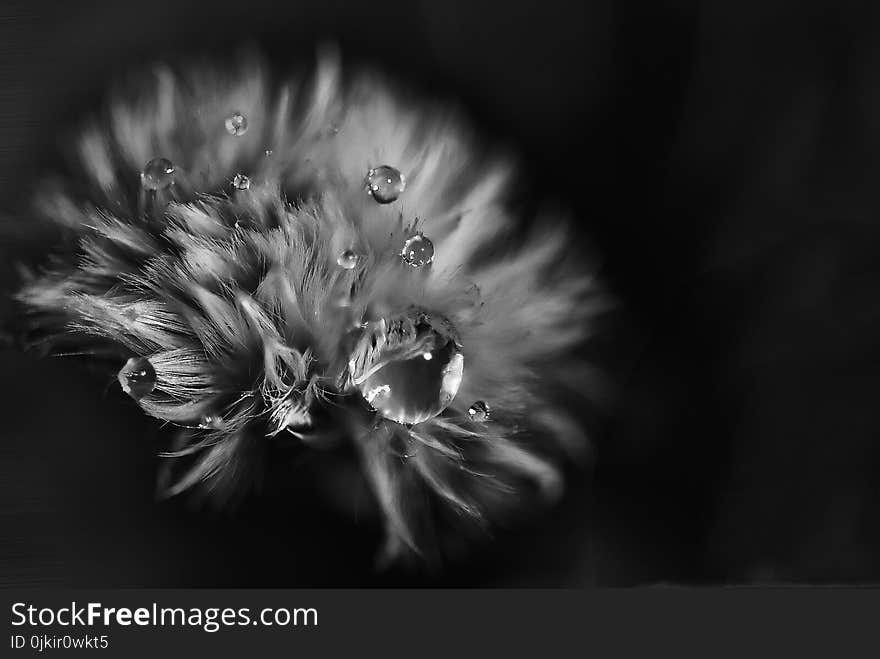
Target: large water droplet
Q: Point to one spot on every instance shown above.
(385, 183)
(236, 124)
(479, 411)
(417, 251)
(137, 378)
(408, 368)
(157, 174)
(347, 259)
(241, 182)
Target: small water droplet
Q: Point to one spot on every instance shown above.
(237, 124)
(241, 182)
(479, 411)
(348, 259)
(417, 251)
(385, 183)
(157, 174)
(137, 378)
(268, 152)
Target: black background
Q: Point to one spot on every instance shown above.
(720, 156)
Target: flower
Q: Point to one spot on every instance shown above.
(256, 312)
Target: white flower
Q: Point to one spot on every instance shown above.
(236, 297)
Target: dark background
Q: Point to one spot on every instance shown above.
(720, 156)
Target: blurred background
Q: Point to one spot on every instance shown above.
(720, 157)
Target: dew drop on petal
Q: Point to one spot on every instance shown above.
(236, 124)
(385, 183)
(157, 174)
(417, 251)
(137, 378)
(392, 373)
(347, 260)
(479, 411)
(241, 182)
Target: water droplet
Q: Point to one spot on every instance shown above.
(137, 378)
(241, 182)
(211, 422)
(237, 124)
(479, 411)
(158, 174)
(389, 367)
(385, 183)
(417, 251)
(348, 259)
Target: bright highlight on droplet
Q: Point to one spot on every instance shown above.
(479, 411)
(137, 378)
(157, 174)
(385, 183)
(241, 182)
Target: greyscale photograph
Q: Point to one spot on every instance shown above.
(322, 294)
